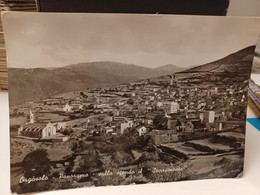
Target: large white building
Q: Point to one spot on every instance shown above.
(211, 116)
(201, 117)
(126, 124)
(172, 107)
(37, 130)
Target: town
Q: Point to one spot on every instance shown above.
(167, 121)
(146, 107)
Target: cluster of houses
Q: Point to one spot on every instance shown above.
(134, 107)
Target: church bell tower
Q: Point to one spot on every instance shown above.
(31, 117)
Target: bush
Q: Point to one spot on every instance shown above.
(160, 122)
(36, 164)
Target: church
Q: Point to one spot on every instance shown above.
(37, 130)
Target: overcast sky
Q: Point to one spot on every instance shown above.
(52, 40)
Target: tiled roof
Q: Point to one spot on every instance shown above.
(34, 127)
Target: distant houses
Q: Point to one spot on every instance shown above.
(74, 106)
(132, 109)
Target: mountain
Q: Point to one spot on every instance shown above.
(38, 83)
(35, 84)
(169, 68)
(129, 70)
(237, 62)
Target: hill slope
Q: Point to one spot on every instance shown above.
(237, 61)
(34, 84)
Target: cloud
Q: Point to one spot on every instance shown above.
(39, 39)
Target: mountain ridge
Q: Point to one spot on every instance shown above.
(35, 84)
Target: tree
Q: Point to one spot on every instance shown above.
(90, 162)
(67, 131)
(90, 106)
(83, 95)
(160, 122)
(130, 101)
(36, 163)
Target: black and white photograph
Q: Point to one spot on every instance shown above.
(119, 99)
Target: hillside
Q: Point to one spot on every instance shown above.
(126, 70)
(35, 84)
(237, 61)
(169, 68)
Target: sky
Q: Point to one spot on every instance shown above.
(59, 39)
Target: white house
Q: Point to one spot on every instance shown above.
(149, 109)
(61, 125)
(141, 130)
(125, 125)
(211, 116)
(109, 130)
(67, 108)
(201, 117)
(159, 104)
